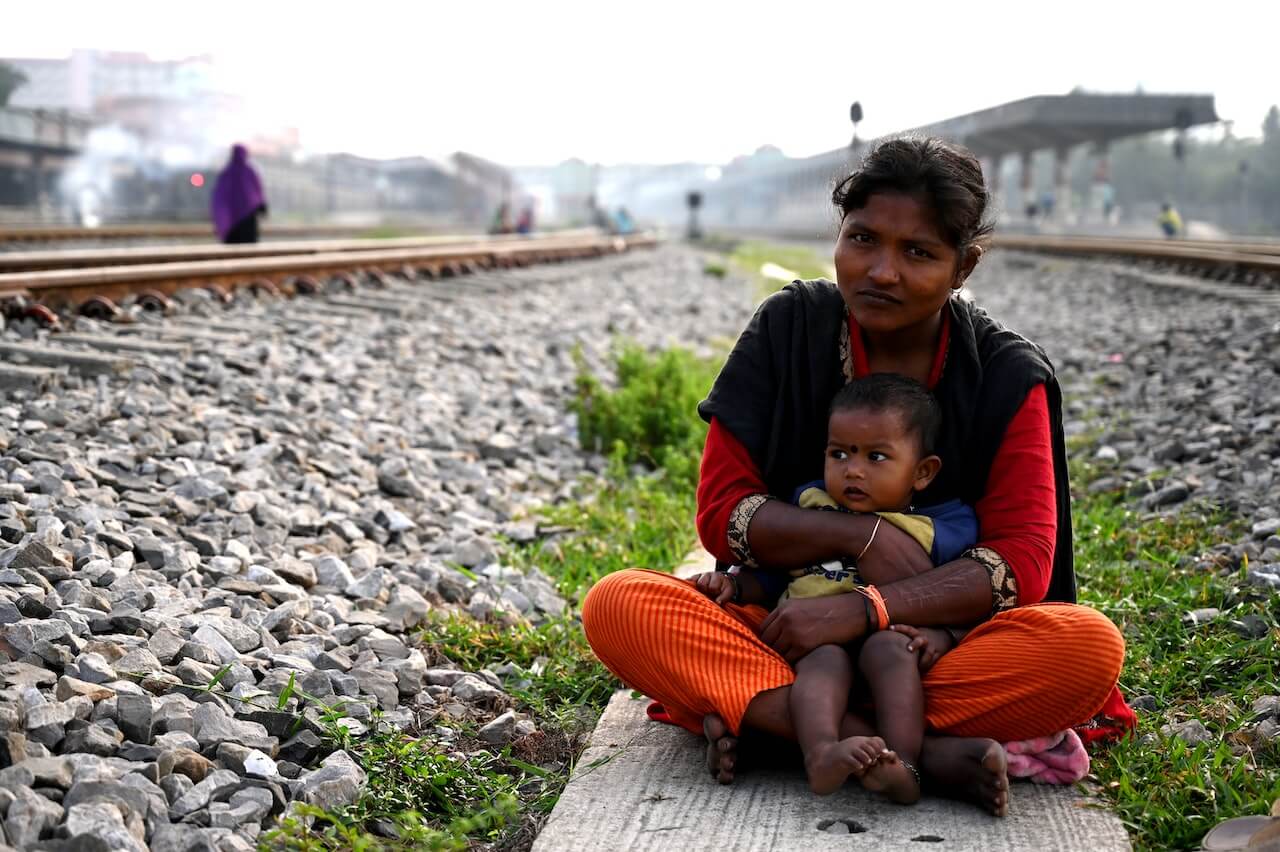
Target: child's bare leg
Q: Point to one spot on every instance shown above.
(893, 677)
(819, 699)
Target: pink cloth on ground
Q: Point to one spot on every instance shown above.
(1056, 759)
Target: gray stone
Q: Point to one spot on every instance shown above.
(216, 784)
(501, 730)
(93, 668)
(175, 786)
(1198, 617)
(1264, 528)
(1192, 732)
(38, 772)
(332, 571)
(261, 802)
(138, 661)
(368, 586)
(134, 717)
(335, 784)
(217, 643)
(1266, 707)
(29, 816)
(90, 739)
(214, 726)
(473, 690)
(443, 677)
(296, 571)
(46, 723)
(104, 821)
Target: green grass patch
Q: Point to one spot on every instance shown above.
(753, 255)
(1141, 572)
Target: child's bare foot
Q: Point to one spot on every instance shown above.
(722, 748)
(891, 776)
(971, 768)
(830, 764)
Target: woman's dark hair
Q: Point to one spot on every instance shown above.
(911, 400)
(948, 176)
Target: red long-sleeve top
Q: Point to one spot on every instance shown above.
(1017, 515)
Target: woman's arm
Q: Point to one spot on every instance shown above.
(787, 536)
(737, 522)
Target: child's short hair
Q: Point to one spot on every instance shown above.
(892, 392)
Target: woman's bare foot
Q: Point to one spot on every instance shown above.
(722, 748)
(829, 765)
(889, 775)
(970, 768)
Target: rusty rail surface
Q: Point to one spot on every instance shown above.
(159, 230)
(34, 261)
(102, 286)
(1241, 255)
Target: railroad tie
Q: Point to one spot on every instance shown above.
(17, 377)
(79, 361)
(120, 343)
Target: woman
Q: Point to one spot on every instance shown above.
(911, 233)
(238, 200)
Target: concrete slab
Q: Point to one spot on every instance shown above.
(642, 785)
(17, 377)
(121, 343)
(86, 363)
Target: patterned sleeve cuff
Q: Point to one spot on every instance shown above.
(739, 521)
(1004, 587)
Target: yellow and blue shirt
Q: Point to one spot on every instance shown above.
(944, 531)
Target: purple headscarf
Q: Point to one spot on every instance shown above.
(237, 194)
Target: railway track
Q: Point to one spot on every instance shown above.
(1233, 269)
(157, 230)
(96, 290)
(1226, 255)
(47, 259)
(351, 286)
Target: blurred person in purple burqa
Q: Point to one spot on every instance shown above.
(238, 200)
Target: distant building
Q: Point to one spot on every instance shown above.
(88, 78)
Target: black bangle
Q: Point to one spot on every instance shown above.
(871, 616)
(737, 588)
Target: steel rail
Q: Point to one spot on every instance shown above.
(73, 287)
(1246, 256)
(61, 233)
(34, 261)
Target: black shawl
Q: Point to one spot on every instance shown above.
(774, 391)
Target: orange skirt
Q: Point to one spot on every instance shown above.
(1027, 672)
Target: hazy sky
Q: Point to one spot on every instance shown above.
(665, 81)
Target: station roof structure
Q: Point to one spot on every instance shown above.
(1063, 121)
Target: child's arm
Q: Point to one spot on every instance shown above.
(930, 642)
(742, 588)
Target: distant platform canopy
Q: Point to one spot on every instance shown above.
(1063, 121)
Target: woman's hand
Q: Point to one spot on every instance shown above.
(799, 625)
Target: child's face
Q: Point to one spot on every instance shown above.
(874, 462)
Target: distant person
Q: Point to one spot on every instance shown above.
(238, 200)
(501, 223)
(623, 223)
(1169, 221)
(1046, 204)
(1108, 202)
(524, 222)
(599, 217)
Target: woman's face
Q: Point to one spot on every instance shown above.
(893, 266)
